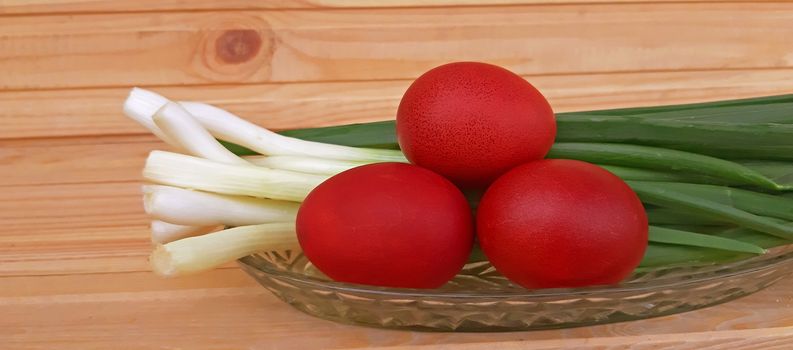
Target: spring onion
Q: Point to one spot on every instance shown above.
(671, 236)
(710, 229)
(769, 112)
(229, 127)
(662, 254)
(142, 108)
(777, 113)
(189, 172)
(142, 105)
(687, 110)
(322, 166)
(185, 207)
(752, 236)
(310, 165)
(163, 232)
(653, 193)
(779, 172)
(380, 134)
(181, 127)
(666, 255)
(662, 159)
(750, 201)
(200, 253)
(667, 216)
(639, 174)
(724, 139)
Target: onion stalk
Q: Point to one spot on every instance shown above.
(229, 127)
(670, 236)
(180, 126)
(189, 172)
(185, 207)
(141, 105)
(663, 159)
(653, 193)
(310, 165)
(164, 232)
(200, 253)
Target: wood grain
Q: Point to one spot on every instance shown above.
(374, 44)
(23, 163)
(56, 113)
(77, 228)
(88, 227)
(771, 339)
(133, 311)
(74, 240)
(30, 288)
(110, 6)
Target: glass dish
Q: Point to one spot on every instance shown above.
(479, 299)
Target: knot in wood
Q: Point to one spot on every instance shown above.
(238, 45)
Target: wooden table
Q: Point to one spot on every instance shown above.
(73, 245)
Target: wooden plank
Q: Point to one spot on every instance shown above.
(70, 207)
(34, 114)
(77, 228)
(208, 316)
(18, 7)
(31, 287)
(375, 44)
(276, 106)
(85, 228)
(74, 161)
(769, 339)
(37, 252)
(101, 158)
(87, 224)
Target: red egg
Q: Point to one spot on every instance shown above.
(387, 224)
(562, 223)
(471, 122)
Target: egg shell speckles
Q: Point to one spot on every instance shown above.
(471, 122)
(387, 224)
(562, 223)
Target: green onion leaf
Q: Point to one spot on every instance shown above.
(658, 194)
(372, 135)
(661, 159)
(664, 255)
(754, 237)
(637, 174)
(668, 216)
(750, 201)
(692, 108)
(670, 236)
(779, 172)
(721, 139)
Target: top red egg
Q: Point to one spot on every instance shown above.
(472, 122)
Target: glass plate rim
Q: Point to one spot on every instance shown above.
(776, 256)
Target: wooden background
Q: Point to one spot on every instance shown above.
(73, 243)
